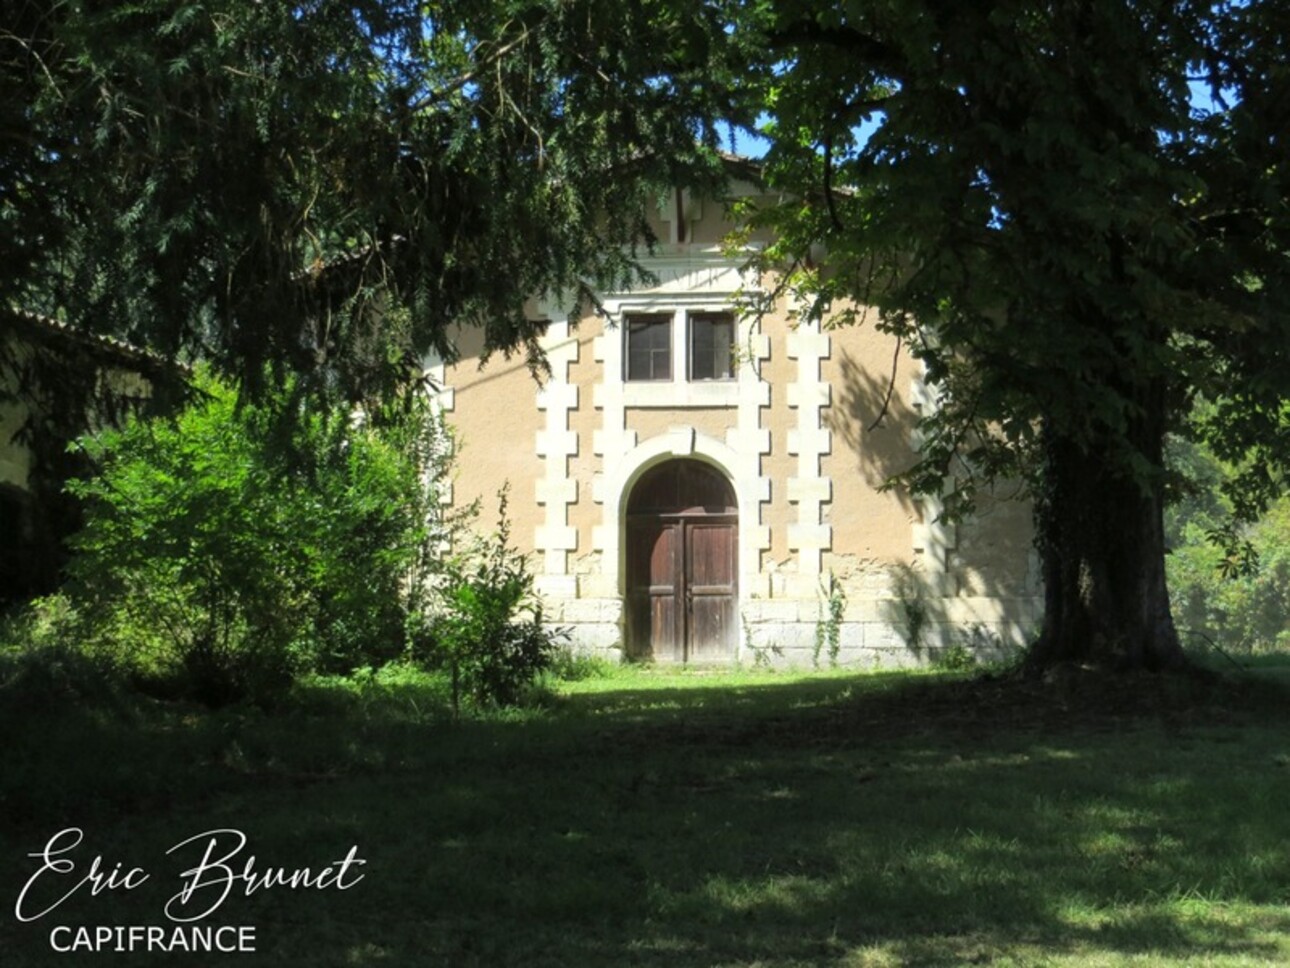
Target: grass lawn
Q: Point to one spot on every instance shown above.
(686, 819)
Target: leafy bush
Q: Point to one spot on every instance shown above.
(1229, 583)
(956, 657)
(489, 633)
(568, 665)
(234, 547)
(1244, 609)
(41, 667)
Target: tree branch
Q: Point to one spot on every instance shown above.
(828, 183)
(808, 33)
(461, 80)
(891, 387)
(867, 105)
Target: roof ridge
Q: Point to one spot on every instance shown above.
(112, 343)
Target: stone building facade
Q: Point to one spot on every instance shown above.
(696, 484)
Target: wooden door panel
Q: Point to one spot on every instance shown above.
(711, 628)
(710, 576)
(711, 559)
(653, 589)
(664, 628)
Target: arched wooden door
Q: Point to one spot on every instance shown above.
(682, 564)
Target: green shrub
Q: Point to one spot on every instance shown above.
(236, 549)
(489, 632)
(44, 667)
(569, 665)
(956, 657)
(1243, 609)
(1229, 580)
(232, 548)
(828, 629)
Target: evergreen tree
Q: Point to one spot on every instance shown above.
(326, 187)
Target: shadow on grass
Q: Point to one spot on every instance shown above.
(867, 820)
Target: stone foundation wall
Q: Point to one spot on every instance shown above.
(892, 618)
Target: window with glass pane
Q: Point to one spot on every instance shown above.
(712, 340)
(649, 347)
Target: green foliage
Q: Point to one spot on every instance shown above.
(489, 631)
(398, 691)
(343, 182)
(1243, 609)
(234, 547)
(570, 665)
(828, 629)
(913, 613)
(1229, 579)
(1029, 200)
(1039, 213)
(44, 666)
(240, 548)
(956, 657)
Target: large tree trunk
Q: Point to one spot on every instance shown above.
(1101, 539)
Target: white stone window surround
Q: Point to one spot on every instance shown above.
(679, 391)
(681, 333)
(689, 281)
(706, 281)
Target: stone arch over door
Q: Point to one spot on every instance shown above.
(682, 564)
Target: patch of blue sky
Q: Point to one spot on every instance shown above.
(755, 143)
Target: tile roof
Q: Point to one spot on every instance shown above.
(127, 352)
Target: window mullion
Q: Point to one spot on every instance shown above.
(680, 347)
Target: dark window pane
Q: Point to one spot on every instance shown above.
(712, 338)
(649, 347)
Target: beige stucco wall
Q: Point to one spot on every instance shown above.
(994, 555)
(713, 225)
(869, 523)
(15, 459)
(495, 416)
